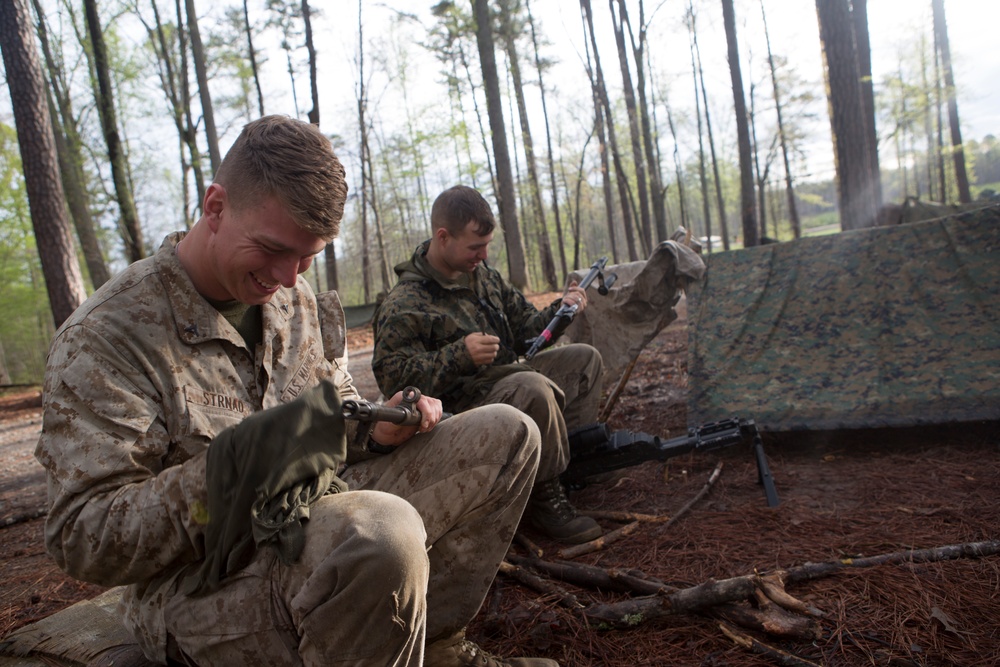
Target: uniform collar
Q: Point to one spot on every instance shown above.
(195, 319)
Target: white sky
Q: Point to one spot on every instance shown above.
(895, 26)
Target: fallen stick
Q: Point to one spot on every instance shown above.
(701, 494)
(629, 613)
(600, 542)
(528, 545)
(543, 586)
(760, 648)
(625, 516)
(773, 620)
(22, 518)
(595, 577)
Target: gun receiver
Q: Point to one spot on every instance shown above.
(595, 449)
(564, 316)
(404, 414)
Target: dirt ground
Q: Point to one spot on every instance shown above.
(843, 496)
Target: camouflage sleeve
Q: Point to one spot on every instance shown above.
(115, 516)
(403, 357)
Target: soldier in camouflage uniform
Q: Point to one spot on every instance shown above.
(453, 327)
(147, 376)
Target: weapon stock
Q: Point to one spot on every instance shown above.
(564, 316)
(595, 449)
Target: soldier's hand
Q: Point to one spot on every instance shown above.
(575, 296)
(482, 348)
(389, 434)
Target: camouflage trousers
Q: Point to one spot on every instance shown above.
(403, 558)
(563, 395)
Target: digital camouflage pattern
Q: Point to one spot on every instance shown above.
(421, 325)
(146, 373)
(887, 326)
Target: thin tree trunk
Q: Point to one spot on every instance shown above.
(702, 176)
(957, 149)
(793, 211)
(635, 134)
(658, 193)
(190, 131)
(602, 148)
(46, 201)
(720, 201)
(106, 106)
(67, 144)
(538, 210)
(748, 215)
(560, 240)
(621, 178)
(252, 56)
(201, 72)
(678, 168)
(506, 197)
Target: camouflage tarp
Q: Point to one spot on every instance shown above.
(890, 326)
(638, 305)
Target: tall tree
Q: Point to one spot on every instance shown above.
(624, 191)
(506, 197)
(719, 199)
(862, 46)
(252, 57)
(855, 181)
(602, 147)
(201, 73)
(957, 150)
(635, 133)
(793, 211)
(509, 30)
(69, 151)
(706, 205)
(560, 241)
(104, 94)
(747, 205)
(53, 234)
(647, 120)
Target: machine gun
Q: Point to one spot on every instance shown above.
(594, 449)
(564, 316)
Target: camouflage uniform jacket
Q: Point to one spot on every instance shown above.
(421, 325)
(140, 379)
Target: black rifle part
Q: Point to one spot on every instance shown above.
(404, 414)
(595, 449)
(564, 316)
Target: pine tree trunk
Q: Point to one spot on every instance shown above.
(748, 215)
(46, 201)
(957, 149)
(252, 57)
(201, 72)
(506, 196)
(538, 210)
(132, 233)
(67, 143)
(793, 211)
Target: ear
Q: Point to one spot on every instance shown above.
(216, 201)
(441, 235)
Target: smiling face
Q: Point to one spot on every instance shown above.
(251, 251)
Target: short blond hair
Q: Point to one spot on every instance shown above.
(293, 161)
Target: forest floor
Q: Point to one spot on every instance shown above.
(844, 498)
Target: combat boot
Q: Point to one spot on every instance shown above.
(457, 651)
(550, 511)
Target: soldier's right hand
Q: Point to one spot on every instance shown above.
(482, 348)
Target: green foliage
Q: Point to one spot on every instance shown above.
(25, 326)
